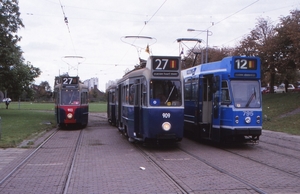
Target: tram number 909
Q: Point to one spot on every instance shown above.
(166, 115)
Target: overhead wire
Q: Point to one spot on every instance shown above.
(145, 23)
(67, 24)
(214, 24)
(227, 17)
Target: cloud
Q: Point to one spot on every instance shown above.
(95, 28)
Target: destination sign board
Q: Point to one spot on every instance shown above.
(245, 64)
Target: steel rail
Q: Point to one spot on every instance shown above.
(29, 156)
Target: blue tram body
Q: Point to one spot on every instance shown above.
(111, 105)
(223, 99)
(71, 102)
(149, 101)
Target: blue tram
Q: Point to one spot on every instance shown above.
(111, 104)
(149, 101)
(223, 100)
(71, 102)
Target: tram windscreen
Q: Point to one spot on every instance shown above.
(70, 97)
(165, 93)
(246, 94)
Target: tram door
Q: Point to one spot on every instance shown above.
(206, 109)
(119, 108)
(137, 107)
(117, 105)
(216, 109)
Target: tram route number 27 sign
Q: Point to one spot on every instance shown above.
(69, 80)
(165, 67)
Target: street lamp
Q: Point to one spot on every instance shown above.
(208, 33)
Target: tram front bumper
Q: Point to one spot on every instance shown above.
(243, 131)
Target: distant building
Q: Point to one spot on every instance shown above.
(94, 93)
(91, 83)
(110, 82)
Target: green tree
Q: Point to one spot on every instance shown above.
(15, 75)
(10, 22)
(261, 42)
(288, 46)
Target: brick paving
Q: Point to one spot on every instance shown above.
(108, 163)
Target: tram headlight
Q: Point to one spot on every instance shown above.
(69, 115)
(258, 119)
(236, 119)
(248, 120)
(166, 126)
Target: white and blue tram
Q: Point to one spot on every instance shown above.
(71, 102)
(223, 99)
(149, 101)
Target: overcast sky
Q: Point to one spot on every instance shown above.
(90, 41)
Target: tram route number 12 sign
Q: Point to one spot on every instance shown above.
(245, 64)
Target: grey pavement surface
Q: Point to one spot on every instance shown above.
(107, 163)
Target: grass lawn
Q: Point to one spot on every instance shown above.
(24, 120)
(281, 112)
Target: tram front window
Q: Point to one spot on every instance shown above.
(70, 97)
(246, 94)
(165, 93)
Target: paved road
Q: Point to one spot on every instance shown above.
(107, 163)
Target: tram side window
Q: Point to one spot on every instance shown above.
(123, 94)
(56, 97)
(225, 93)
(144, 93)
(131, 94)
(112, 97)
(194, 89)
(84, 98)
(127, 94)
(187, 89)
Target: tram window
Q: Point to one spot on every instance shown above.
(55, 97)
(124, 94)
(165, 93)
(131, 94)
(194, 89)
(225, 93)
(84, 98)
(246, 93)
(144, 93)
(70, 97)
(113, 97)
(187, 89)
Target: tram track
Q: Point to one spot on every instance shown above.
(222, 170)
(283, 153)
(179, 184)
(271, 140)
(264, 163)
(184, 153)
(22, 162)
(68, 178)
(183, 186)
(35, 161)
